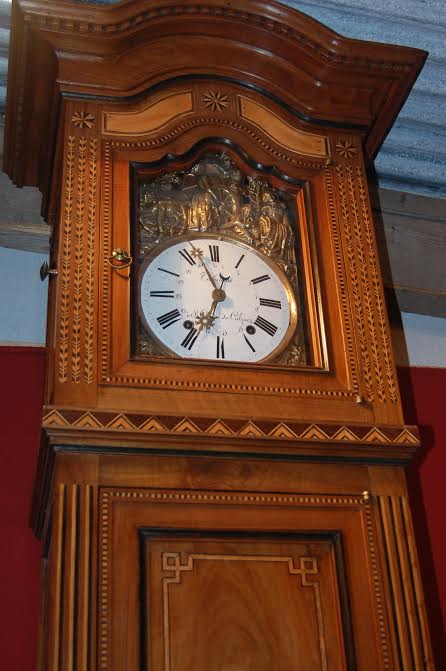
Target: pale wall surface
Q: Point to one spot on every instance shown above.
(23, 300)
(23, 297)
(425, 340)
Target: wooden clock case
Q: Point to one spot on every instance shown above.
(165, 486)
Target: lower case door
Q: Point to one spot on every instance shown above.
(240, 602)
(202, 581)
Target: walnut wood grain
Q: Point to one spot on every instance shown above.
(149, 119)
(236, 508)
(185, 573)
(166, 486)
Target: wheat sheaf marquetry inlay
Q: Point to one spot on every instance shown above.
(377, 290)
(406, 594)
(365, 285)
(76, 327)
(355, 284)
(66, 262)
(78, 260)
(367, 298)
(285, 135)
(179, 564)
(151, 118)
(150, 424)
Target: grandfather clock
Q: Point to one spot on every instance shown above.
(221, 482)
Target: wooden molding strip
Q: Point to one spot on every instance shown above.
(84, 420)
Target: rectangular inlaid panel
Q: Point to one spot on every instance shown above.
(219, 581)
(227, 603)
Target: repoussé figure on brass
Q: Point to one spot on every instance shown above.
(214, 196)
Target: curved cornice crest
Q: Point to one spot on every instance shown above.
(282, 49)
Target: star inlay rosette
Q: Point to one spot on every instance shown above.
(345, 148)
(215, 100)
(83, 119)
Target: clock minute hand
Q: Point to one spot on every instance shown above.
(213, 282)
(211, 279)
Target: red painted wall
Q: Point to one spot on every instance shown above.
(21, 384)
(423, 392)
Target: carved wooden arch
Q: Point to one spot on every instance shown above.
(120, 50)
(198, 107)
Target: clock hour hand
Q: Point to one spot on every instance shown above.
(205, 320)
(199, 254)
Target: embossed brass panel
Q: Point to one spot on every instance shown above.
(215, 196)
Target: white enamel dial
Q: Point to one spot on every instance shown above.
(211, 297)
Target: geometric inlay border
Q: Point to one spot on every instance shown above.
(112, 421)
(362, 503)
(172, 562)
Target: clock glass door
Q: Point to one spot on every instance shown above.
(218, 273)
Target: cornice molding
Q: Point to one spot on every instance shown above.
(130, 19)
(421, 120)
(97, 33)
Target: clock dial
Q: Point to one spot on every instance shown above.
(209, 297)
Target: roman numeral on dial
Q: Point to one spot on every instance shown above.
(161, 294)
(187, 257)
(168, 319)
(220, 348)
(240, 260)
(261, 278)
(190, 339)
(214, 252)
(249, 343)
(169, 272)
(266, 326)
(270, 303)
